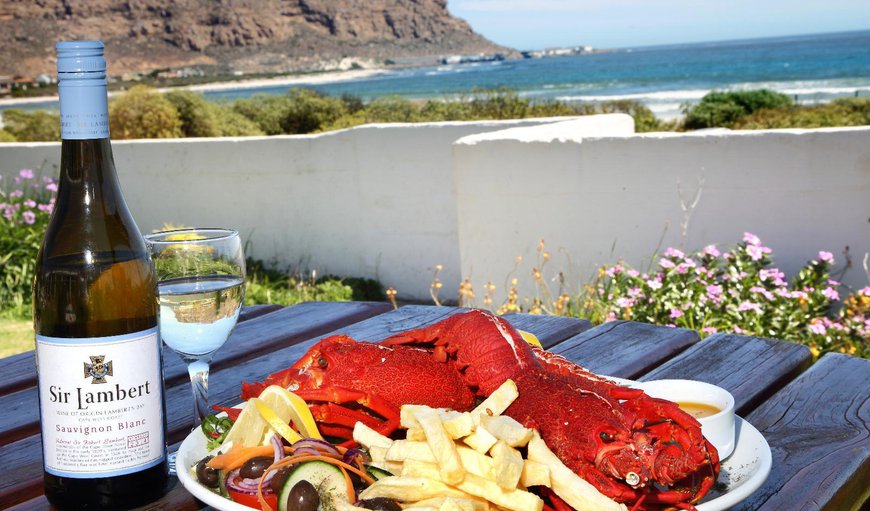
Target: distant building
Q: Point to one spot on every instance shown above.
(45, 79)
(6, 85)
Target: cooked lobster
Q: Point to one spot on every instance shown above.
(636, 449)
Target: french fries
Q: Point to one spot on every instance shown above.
(468, 461)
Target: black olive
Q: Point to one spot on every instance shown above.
(281, 475)
(254, 467)
(205, 474)
(380, 504)
(303, 497)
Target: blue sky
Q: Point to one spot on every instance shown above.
(532, 24)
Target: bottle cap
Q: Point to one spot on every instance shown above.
(80, 57)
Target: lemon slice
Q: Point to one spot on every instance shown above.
(249, 429)
(290, 408)
(277, 424)
(531, 339)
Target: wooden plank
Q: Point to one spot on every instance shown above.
(19, 371)
(625, 348)
(260, 333)
(24, 481)
(550, 330)
(751, 368)
(818, 428)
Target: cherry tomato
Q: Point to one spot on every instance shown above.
(252, 500)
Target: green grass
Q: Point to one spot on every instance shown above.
(16, 336)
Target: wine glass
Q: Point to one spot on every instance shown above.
(200, 287)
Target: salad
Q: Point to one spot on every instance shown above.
(258, 460)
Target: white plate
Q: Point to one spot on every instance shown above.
(741, 474)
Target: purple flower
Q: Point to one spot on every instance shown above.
(29, 203)
(29, 217)
(666, 263)
(831, 293)
(826, 257)
(673, 252)
(710, 250)
(747, 306)
(751, 239)
(26, 174)
(676, 313)
(45, 208)
(16, 193)
(8, 213)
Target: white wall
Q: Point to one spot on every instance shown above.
(375, 201)
(594, 200)
(392, 201)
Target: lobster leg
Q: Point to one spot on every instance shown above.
(341, 395)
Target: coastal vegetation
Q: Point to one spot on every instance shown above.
(142, 112)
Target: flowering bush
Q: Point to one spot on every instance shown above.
(26, 202)
(737, 291)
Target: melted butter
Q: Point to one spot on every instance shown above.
(699, 410)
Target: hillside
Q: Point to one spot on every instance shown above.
(234, 35)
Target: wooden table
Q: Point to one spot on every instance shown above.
(815, 418)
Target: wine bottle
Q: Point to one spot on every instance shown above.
(98, 355)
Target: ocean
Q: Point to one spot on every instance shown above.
(810, 68)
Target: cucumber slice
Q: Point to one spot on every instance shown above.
(326, 478)
(377, 473)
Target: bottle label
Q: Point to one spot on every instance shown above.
(101, 404)
(84, 110)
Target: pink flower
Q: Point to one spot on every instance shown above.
(800, 295)
(614, 270)
(818, 328)
(676, 313)
(29, 217)
(774, 274)
(673, 252)
(624, 302)
(751, 239)
(654, 284)
(747, 306)
(634, 292)
(611, 316)
(671, 325)
(738, 330)
(831, 293)
(714, 291)
(26, 174)
(826, 257)
(45, 208)
(764, 292)
(709, 330)
(756, 252)
(8, 213)
(51, 187)
(666, 263)
(710, 250)
(16, 193)
(29, 203)
(783, 292)
(632, 273)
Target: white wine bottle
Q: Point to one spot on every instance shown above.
(98, 353)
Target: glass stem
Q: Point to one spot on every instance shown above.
(198, 371)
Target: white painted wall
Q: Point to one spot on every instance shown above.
(392, 201)
(594, 200)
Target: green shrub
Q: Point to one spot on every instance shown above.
(202, 118)
(723, 109)
(267, 285)
(32, 126)
(25, 205)
(390, 109)
(738, 291)
(500, 103)
(264, 110)
(5, 136)
(142, 112)
(310, 111)
(842, 112)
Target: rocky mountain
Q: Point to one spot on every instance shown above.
(233, 35)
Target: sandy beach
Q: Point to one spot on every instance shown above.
(242, 84)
